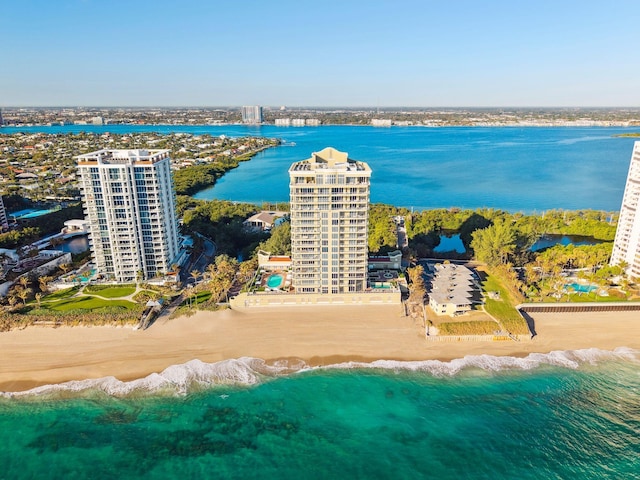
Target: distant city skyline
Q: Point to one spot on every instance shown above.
(355, 53)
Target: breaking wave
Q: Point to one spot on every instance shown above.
(559, 358)
(195, 374)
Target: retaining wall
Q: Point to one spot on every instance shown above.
(247, 300)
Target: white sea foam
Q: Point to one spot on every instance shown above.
(180, 379)
(559, 358)
(177, 379)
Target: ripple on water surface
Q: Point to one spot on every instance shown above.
(559, 415)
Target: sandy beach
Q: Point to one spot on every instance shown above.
(318, 335)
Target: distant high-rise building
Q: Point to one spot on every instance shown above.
(129, 202)
(626, 247)
(252, 114)
(1, 119)
(4, 224)
(329, 199)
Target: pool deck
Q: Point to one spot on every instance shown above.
(285, 281)
(382, 276)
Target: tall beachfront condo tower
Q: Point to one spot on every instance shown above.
(130, 205)
(626, 247)
(4, 224)
(252, 114)
(329, 197)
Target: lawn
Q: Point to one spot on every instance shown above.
(88, 303)
(583, 297)
(60, 294)
(486, 327)
(198, 299)
(111, 291)
(503, 309)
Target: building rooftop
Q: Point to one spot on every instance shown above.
(330, 159)
(452, 284)
(119, 157)
(444, 298)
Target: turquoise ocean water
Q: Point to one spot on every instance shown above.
(516, 169)
(565, 415)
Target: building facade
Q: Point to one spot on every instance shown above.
(626, 247)
(129, 203)
(252, 114)
(4, 223)
(329, 200)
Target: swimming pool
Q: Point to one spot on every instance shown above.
(274, 281)
(86, 276)
(31, 213)
(581, 288)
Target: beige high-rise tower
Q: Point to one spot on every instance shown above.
(626, 247)
(329, 196)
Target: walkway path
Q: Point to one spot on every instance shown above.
(81, 293)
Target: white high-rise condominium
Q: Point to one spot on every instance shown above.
(130, 205)
(252, 114)
(626, 247)
(329, 196)
(4, 224)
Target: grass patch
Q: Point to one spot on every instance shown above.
(60, 294)
(504, 309)
(110, 291)
(593, 297)
(88, 303)
(196, 300)
(584, 297)
(484, 327)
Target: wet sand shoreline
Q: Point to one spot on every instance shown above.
(319, 336)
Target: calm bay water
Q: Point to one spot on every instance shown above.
(515, 169)
(453, 242)
(565, 416)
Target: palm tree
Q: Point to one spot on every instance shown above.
(38, 297)
(195, 274)
(211, 271)
(216, 290)
(12, 298)
(44, 283)
(246, 270)
(23, 294)
(195, 290)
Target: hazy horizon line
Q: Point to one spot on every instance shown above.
(333, 107)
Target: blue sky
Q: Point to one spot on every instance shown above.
(319, 53)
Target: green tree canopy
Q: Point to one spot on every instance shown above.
(495, 243)
(279, 243)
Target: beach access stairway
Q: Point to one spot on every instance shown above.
(150, 312)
